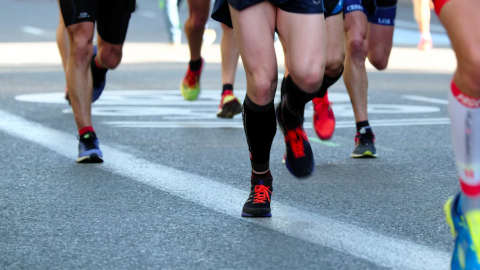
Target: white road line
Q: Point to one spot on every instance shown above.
(33, 30)
(238, 124)
(312, 227)
(426, 99)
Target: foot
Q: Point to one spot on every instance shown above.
(464, 228)
(323, 118)
(99, 80)
(258, 203)
(88, 149)
(299, 156)
(364, 144)
(229, 105)
(425, 44)
(190, 86)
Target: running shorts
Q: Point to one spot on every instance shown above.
(380, 12)
(332, 7)
(112, 16)
(221, 12)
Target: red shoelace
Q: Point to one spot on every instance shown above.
(262, 193)
(296, 138)
(192, 78)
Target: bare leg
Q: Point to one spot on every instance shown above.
(195, 26)
(230, 54)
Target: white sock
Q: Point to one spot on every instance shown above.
(427, 36)
(465, 125)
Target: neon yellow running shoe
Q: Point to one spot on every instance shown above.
(466, 231)
(190, 86)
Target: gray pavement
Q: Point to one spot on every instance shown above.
(168, 194)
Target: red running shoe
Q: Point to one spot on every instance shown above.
(323, 118)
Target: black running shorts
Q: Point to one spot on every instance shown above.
(333, 7)
(112, 16)
(221, 12)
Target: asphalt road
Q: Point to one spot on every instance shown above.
(170, 192)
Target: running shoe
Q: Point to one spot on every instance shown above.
(364, 144)
(425, 44)
(258, 203)
(465, 229)
(88, 149)
(67, 96)
(99, 80)
(190, 86)
(229, 105)
(298, 154)
(323, 118)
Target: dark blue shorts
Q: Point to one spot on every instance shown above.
(377, 11)
(221, 12)
(332, 7)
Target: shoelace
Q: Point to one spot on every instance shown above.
(296, 138)
(226, 94)
(191, 78)
(262, 193)
(364, 139)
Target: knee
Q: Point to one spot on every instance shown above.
(81, 47)
(198, 21)
(334, 66)
(380, 62)
(357, 49)
(263, 87)
(309, 80)
(110, 55)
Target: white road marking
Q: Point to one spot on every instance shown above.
(238, 124)
(33, 30)
(425, 99)
(380, 249)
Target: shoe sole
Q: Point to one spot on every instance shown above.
(230, 109)
(254, 216)
(93, 158)
(189, 96)
(447, 209)
(367, 154)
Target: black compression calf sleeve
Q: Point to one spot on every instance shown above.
(296, 98)
(260, 128)
(327, 83)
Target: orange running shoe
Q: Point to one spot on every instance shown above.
(425, 44)
(229, 105)
(190, 86)
(323, 118)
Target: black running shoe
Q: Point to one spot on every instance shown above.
(258, 203)
(364, 144)
(298, 154)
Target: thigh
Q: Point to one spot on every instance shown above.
(199, 8)
(254, 29)
(113, 19)
(460, 18)
(355, 27)
(303, 37)
(78, 11)
(335, 36)
(380, 39)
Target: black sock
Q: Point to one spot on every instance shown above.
(95, 69)
(295, 97)
(260, 128)
(227, 87)
(327, 83)
(363, 125)
(195, 65)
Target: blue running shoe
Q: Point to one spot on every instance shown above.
(466, 231)
(88, 149)
(98, 77)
